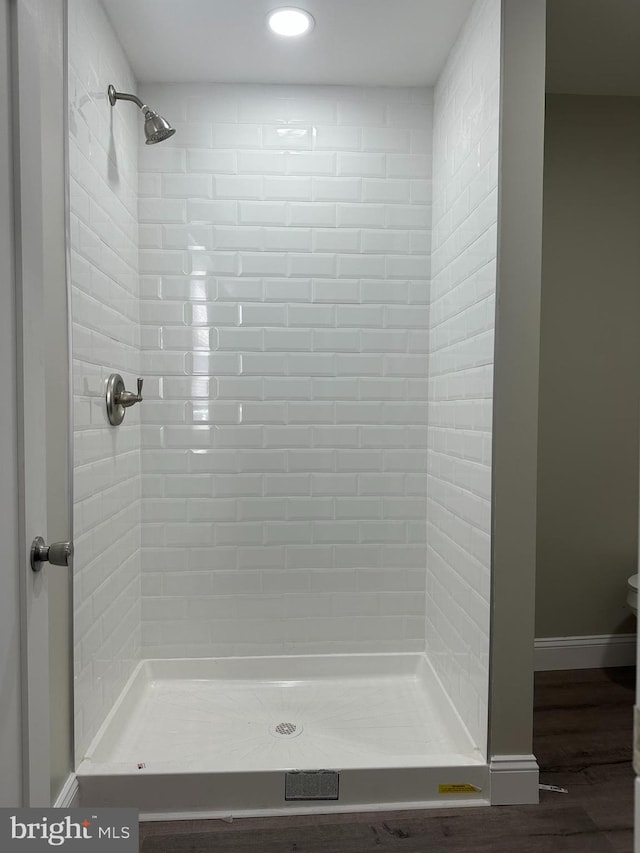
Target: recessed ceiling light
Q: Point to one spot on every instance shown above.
(289, 21)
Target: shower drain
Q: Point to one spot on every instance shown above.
(287, 729)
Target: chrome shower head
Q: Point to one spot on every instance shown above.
(156, 128)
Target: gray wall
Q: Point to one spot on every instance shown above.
(590, 354)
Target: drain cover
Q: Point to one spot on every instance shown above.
(286, 729)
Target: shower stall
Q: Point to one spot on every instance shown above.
(284, 543)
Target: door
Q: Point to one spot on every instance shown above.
(39, 215)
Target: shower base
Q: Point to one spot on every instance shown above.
(221, 737)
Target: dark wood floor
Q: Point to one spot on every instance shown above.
(583, 742)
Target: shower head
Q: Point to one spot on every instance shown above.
(156, 128)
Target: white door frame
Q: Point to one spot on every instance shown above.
(37, 27)
(10, 675)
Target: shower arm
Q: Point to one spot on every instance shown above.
(123, 96)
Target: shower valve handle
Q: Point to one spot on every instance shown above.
(128, 398)
(118, 398)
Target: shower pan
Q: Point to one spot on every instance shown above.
(282, 580)
(238, 736)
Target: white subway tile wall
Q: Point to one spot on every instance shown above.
(461, 330)
(105, 302)
(284, 259)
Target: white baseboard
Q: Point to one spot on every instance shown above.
(69, 796)
(514, 780)
(590, 652)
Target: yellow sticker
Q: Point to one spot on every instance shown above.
(460, 788)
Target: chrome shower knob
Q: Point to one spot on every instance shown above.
(119, 399)
(128, 398)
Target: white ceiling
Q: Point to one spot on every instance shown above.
(593, 47)
(355, 42)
